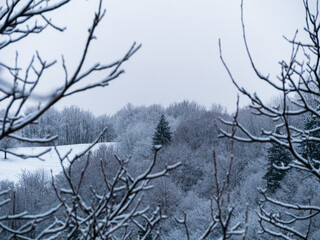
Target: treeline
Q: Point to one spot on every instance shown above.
(72, 125)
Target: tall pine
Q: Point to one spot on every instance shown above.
(276, 156)
(162, 134)
(311, 149)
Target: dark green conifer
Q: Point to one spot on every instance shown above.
(162, 134)
(277, 155)
(311, 149)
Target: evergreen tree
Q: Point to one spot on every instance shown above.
(162, 135)
(310, 149)
(276, 155)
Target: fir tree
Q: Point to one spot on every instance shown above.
(276, 155)
(310, 149)
(162, 134)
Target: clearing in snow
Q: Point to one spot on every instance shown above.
(13, 166)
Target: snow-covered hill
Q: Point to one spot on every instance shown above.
(11, 167)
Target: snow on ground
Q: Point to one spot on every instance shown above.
(13, 166)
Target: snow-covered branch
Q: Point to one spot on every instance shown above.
(299, 85)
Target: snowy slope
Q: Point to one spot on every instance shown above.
(13, 166)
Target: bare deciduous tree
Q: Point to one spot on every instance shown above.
(19, 19)
(106, 215)
(299, 85)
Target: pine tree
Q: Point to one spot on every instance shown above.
(310, 149)
(276, 155)
(162, 134)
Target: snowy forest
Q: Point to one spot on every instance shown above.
(183, 171)
(190, 191)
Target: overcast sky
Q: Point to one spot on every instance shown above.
(179, 58)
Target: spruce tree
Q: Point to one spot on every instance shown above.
(276, 155)
(162, 134)
(310, 149)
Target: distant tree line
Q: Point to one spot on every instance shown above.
(72, 125)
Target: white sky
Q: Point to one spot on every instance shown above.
(179, 58)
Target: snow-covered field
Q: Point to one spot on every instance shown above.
(11, 167)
